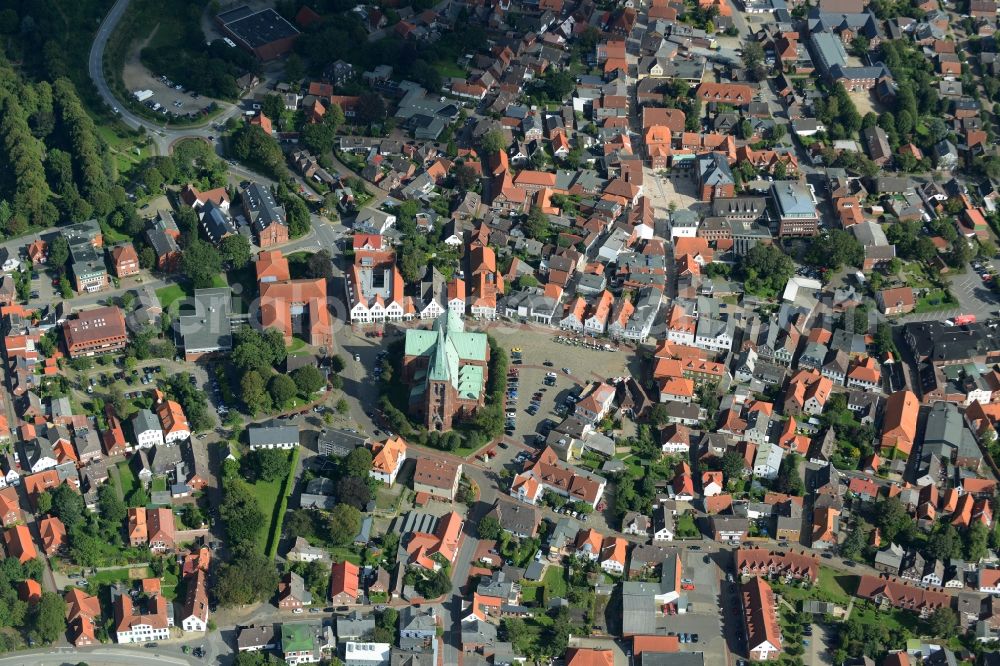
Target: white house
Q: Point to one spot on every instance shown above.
(767, 460)
(387, 459)
(273, 436)
(663, 524)
(147, 429)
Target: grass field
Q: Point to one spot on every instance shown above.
(271, 498)
(267, 494)
(298, 347)
(129, 480)
(159, 483)
(555, 582)
(117, 575)
(936, 299)
(169, 295)
(342, 553)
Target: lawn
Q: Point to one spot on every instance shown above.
(116, 575)
(159, 483)
(298, 347)
(448, 69)
(686, 526)
(555, 582)
(839, 587)
(272, 498)
(342, 553)
(267, 494)
(169, 295)
(129, 482)
(935, 299)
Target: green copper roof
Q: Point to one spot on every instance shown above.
(470, 382)
(448, 345)
(296, 637)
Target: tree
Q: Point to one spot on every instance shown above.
(299, 523)
(111, 508)
(854, 544)
(944, 542)
(67, 505)
(201, 263)
(58, 252)
(266, 465)
(320, 265)
(308, 379)
(354, 490)
(835, 249)
(240, 513)
(493, 141)
(282, 389)
(272, 106)
(246, 579)
(489, 528)
(358, 463)
(370, 109)
(976, 540)
(732, 466)
(943, 623)
(235, 249)
(434, 584)
(658, 414)
(753, 59)
(765, 270)
(343, 523)
(537, 224)
(253, 393)
(295, 69)
(466, 177)
(789, 481)
(892, 519)
(46, 621)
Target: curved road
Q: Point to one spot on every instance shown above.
(162, 137)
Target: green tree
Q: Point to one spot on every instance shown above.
(765, 270)
(854, 544)
(254, 394)
(976, 541)
(308, 379)
(241, 514)
(46, 621)
(835, 249)
(732, 466)
(58, 252)
(354, 490)
(892, 519)
(942, 623)
(370, 109)
(266, 465)
(493, 141)
(246, 579)
(272, 106)
(343, 523)
(235, 249)
(489, 528)
(944, 542)
(358, 463)
(789, 481)
(201, 263)
(536, 226)
(282, 389)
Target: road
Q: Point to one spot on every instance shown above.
(162, 137)
(126, 656)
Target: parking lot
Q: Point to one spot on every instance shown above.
(165, 92)
(974, 295)
(703, 617)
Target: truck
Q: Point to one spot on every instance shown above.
(961, 320)
(142, 95)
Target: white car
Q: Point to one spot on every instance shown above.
(297, 611)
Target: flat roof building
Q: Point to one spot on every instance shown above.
(264, 33)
